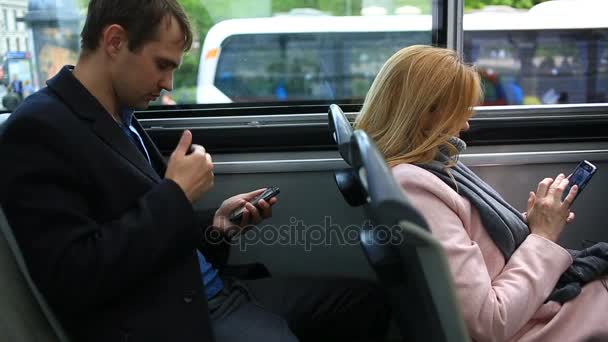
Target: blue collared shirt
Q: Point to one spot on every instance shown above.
(213, 283)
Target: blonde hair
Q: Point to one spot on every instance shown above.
(421, 97)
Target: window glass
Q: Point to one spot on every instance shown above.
(306, 66)
(543, 52)
(244, 51)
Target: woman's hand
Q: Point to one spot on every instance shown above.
(547, 215)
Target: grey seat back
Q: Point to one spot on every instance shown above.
(24, 314)
(341, 130)
(409, 262)
(346, 179)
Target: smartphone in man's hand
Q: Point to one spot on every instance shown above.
(269, 193)
(581, 177)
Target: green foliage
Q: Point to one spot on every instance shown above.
(424, 5)
(352, 7)
(227, 9)
(478, 4)
(333, 7)
(186, 75)
(286, 5)
(184, 95)
(82, 4)
(199, 16)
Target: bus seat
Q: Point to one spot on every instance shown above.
(409, 262)
(346, 179)
(24, 314)
(341, 129)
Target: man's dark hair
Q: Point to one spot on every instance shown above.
(140, 18)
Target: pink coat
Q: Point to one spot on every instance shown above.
(503, 301)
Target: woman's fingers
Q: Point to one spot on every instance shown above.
(571, 217)
(555, 185)
(543, 187)
(571, 195)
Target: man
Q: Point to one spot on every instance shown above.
(28, 89)
(10, 101)
(17, 86)
(107, 227)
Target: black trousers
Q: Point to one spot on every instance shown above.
(304, 309)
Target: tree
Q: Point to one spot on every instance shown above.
(186, 76)
(333, 7)
(478, 4)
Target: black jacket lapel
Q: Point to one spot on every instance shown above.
(85, 105)
(158, 160)
(109, 131)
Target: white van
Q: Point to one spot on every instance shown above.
(301, 57)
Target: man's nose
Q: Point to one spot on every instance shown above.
(167, 82)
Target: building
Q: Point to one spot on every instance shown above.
(14, 34)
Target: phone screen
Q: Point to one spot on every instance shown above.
(581, 176)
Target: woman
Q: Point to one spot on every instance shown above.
(505, 264)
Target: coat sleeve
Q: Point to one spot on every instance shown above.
(493, 309)
(78, 262)
(216, 248)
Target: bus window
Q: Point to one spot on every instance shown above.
(305, 66)
(524, 57)
(533, 67)
(533, 57)
(299, 59)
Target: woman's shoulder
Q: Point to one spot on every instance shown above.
(414, 178)
(405, 169)
(410, 174)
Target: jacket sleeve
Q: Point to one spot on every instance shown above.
(77, 261)
(493, 309)
(216, 248)
(214, 245)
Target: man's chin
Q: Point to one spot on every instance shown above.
(141, 106)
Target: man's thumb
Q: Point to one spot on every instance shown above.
(184, 143)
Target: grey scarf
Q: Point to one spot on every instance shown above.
(507, 228)
(504, 224)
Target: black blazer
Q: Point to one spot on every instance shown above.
(108, 241)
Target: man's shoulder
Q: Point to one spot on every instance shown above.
(41, 106)
(37, 114)
(41, 101)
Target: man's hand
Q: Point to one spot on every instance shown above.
(251, 215)
(192, 172)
